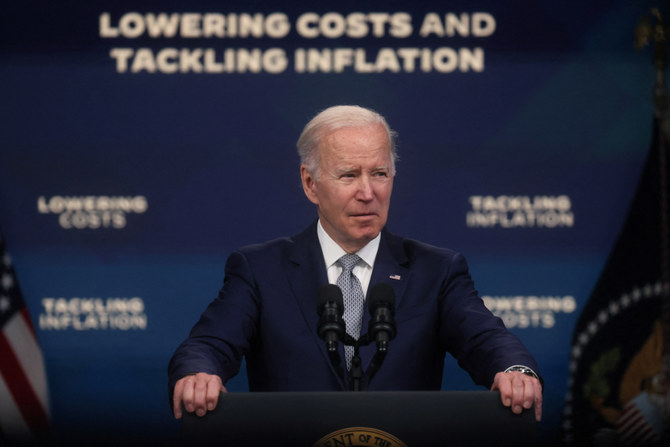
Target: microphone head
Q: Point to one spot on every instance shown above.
(381, 295)
(329, 293)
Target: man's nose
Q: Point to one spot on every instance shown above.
(365, 191)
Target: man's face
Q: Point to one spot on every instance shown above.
(353, 191)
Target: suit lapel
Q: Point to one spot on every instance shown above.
(306, 273)
(391, 267)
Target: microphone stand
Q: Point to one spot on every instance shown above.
(356, 372)
(381, 329)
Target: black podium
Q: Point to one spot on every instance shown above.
(380, 419)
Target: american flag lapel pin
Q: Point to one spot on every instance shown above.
(396, 277)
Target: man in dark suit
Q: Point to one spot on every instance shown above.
(266, 309)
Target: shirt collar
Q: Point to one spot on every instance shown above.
(332, 252)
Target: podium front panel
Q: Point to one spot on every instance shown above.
(325, 419)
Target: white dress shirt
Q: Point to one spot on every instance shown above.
(332, 252)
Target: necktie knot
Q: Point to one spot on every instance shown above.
(348, 262)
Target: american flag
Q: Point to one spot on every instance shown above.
(640, 422)
(24, 402)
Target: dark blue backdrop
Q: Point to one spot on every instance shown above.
(560, 110)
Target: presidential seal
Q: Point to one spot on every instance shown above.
(359, 437)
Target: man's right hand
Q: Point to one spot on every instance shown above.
(198, 392)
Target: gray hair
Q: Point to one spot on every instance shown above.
(331, 119)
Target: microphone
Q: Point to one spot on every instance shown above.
(330, 306)
(381, 304)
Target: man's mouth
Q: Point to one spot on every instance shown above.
(364, 215)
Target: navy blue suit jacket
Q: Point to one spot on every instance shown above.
(266, 311)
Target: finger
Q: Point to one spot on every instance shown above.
(538, 400)
(528, 392)
(188, 393)
(200, 394)
(503, 384)
(518, 387)
(214, 388)
(177, 399)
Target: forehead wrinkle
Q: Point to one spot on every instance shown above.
(341, 156)
(336, 136)
(345, 168)
(343, 151)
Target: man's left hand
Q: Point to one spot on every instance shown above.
(519, 391)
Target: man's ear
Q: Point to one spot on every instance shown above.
(309, 184)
